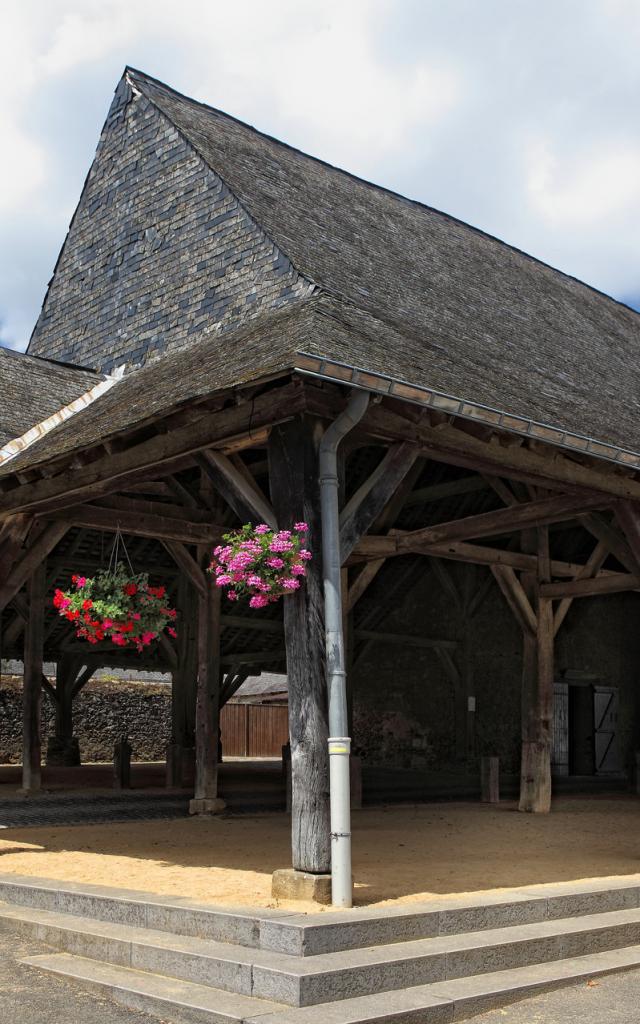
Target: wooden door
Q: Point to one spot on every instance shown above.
(605, 713)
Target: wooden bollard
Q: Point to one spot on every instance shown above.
(637, 773)
(490, 780)
(122, 764)
(173, 778)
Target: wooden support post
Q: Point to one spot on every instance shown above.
(293, 467)
(32, 684)
(205, 797)
(537, 687)
(63, 748)
(122, 764)
(490, 780)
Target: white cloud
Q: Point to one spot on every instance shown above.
(584, 190)
(520, 118)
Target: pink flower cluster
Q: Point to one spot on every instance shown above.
(261, 564)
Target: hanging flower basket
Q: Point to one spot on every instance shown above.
(261, 564)
(119, 604)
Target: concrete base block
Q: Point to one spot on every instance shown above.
(206, 806)
(288, 884)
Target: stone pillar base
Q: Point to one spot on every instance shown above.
(206, 806)
(289, 884)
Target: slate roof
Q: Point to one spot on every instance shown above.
(32, 389)
(402, 290)
(476, 317)
(266, 684)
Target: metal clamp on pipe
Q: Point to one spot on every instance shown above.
(339, 743)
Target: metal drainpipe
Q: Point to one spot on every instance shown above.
(339, 742)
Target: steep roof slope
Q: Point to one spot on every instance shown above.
(482, 318)
(32, 389)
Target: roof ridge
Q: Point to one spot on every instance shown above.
(141, 75)
(45, 360)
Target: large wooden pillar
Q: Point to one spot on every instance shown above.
(205, 797)
(537, 684)
(293, 469)
(32, 684)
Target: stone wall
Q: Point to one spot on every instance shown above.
(405, 709)
(159, 251)
(102, 712)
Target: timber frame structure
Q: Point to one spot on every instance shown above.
(225, 429)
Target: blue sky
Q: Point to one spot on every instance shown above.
(518, 116)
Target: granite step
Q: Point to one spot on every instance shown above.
(304, 981)
(312, 934)
(438, 1003)
(182, 1002)
(177, 915)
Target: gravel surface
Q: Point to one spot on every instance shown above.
(84, 810)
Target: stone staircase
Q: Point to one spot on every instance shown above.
(435, 962)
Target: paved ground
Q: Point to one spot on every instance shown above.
(86, 810)
(30, 997)
(613, 999)
(85, 795)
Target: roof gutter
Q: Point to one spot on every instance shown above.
(344, 373)
(40, 430)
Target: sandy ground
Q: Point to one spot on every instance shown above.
(401, 854)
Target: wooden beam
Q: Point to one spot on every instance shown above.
(447, 489)
(364, 507)
(628, 516)
(169, 650)
(612, 583)
(404, 640)
(136, 524)
(486, 524)
(260, 658)
(241, 494)
(113, 472)
(385, 520)
(14, 532)
(188, 564)
(32, 683)
(254, 624)
(476, 554)
(31, 559)
(546, 466)
(605, 531)
(502, 489)
(181, 492)
(447, 583)
(515, 597)
(591, 569)
(453, 673)
(147, 506)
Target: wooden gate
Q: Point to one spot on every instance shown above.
(560, 740)
(605, 705)
(254, 730)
